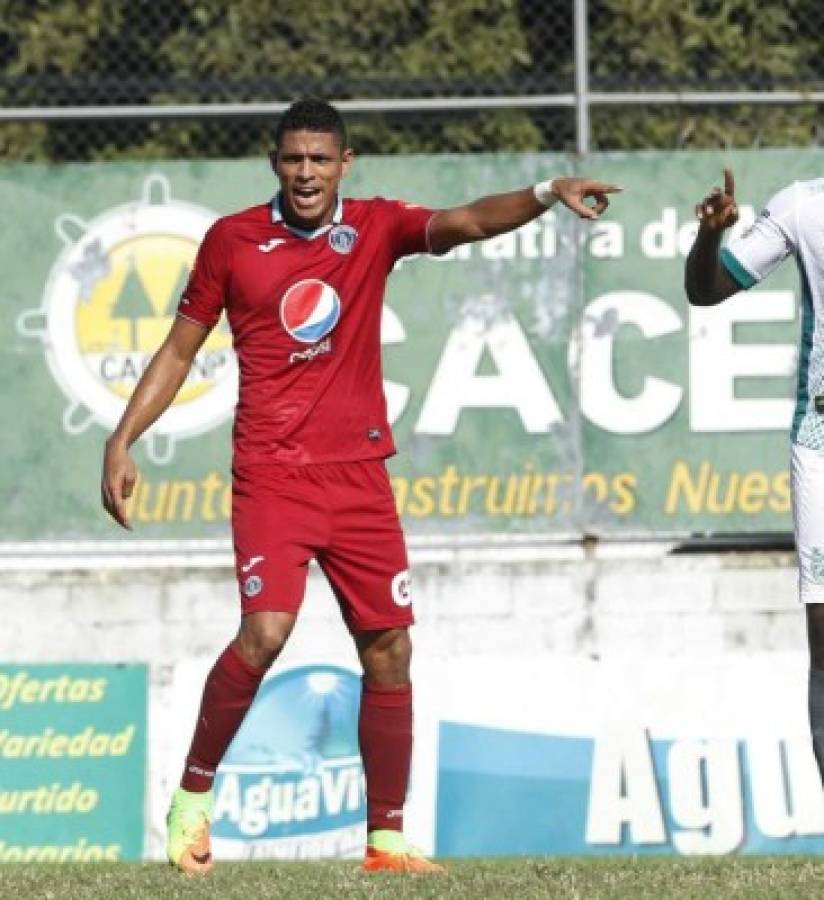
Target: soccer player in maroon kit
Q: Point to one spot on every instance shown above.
(301, 279)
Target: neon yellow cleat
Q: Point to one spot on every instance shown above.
(188, 844)
(388, 851)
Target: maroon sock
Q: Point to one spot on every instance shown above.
(227, 695)
(385, 733)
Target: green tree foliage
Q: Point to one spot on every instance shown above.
(381, 48)
(75, 52)
(701, 45)
(213, 50)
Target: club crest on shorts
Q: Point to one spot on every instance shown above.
(253, 586)
(309, 310)
(401, 588)
(342, 238)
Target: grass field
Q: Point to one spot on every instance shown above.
(730, 877)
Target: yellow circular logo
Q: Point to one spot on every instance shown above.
(108, 304)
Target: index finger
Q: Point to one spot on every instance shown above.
(600, 187)
(729, 183)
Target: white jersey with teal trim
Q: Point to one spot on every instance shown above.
(792, 223)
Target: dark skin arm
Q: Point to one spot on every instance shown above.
(499, 213)
(706, 279)
(157, 388)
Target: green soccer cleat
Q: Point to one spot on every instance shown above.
(188, 844)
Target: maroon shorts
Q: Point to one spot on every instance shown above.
(341, 514)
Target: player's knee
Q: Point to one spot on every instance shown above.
(263, 635)
(400, 650)
(387, 656)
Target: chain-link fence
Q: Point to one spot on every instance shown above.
(105, 79)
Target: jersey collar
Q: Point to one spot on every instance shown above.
(306, 234)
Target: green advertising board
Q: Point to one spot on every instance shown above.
(550, 382)
(72, 762)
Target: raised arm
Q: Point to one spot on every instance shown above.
(157, 388)
(706, 279)
(499, 213)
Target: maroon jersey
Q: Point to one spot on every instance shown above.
(305, 312)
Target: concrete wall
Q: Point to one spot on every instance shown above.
(612, 599)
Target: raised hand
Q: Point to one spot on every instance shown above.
(718, 210)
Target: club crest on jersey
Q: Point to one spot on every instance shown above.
(309, 310)
(342, 238)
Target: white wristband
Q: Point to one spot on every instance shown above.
(544, 194)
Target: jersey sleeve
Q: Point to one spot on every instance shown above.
(752, 255)
(204, 297)
(408, 226)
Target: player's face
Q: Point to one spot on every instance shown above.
(309, 165)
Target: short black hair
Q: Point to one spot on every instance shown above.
(312, 114)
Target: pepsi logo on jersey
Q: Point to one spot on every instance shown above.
(309, 310)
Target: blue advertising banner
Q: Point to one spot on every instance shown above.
(569, 755)
(702, 755)
(291, 783)
(538, 794)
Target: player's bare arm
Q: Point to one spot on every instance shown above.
(707, 281)
(154, 393)
(499, 213)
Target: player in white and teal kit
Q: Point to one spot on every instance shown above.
(792, 224)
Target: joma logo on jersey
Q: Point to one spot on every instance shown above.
(270, 245)
(309, 310)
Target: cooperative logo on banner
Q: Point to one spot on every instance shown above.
(291, 783)
(108, 303)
